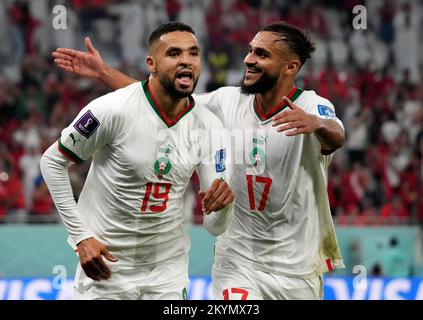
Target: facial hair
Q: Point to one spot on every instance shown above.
(170, 87)
(264, 84)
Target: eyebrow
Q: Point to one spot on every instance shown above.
(259, 50)
(193, 48)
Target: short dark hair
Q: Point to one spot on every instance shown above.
(168, 27)
(298, 40)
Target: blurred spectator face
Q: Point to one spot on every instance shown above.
(267, 61)
(175, 60)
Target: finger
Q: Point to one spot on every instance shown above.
(90, 274)
(105, 270)
(289, 103)
(212, 196)
(100, 268)
(220, 202)
(65, 68)
(62, 56)
(89, 45)
(291, 125)
(92, 271)
(202, 194)
(230, 198)
(222, 187)
(64, 62)
(69, 52)
(297, 132)
(282, 120)
(280, 115)
(211, 190)
(106, 253)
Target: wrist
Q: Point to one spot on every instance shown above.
(102, 72)
(83, 241)
(319, 124)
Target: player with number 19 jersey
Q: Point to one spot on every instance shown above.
(280, 223)
(132, 199)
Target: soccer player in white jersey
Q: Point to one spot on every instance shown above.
(282, 238)
(146, 140)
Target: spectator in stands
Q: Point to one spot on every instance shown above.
(394, 211)
(407, 23)
(42, 204)
(12, 200)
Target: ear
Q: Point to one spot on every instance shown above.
(151, 65)
(293, 67)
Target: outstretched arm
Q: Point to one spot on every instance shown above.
(297, 121)
(90, 64)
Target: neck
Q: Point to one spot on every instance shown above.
(169, 105)
(272, 98)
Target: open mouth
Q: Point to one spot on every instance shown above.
(185, 77)
(251, 71)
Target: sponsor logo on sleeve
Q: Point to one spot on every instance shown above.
(87, 124)
(75, 140)
(220, 160)
(326, 111)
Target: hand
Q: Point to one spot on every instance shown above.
(86, 64)
(217, 196)
(90, 252)
(297, 120)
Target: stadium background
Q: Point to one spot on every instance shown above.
(374, 77)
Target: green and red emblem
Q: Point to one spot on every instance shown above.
(257, 157)
(162, 166)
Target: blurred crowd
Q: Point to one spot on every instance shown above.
(374, 77)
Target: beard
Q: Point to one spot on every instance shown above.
(170, 87)
(265, 83)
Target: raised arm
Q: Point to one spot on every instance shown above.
(297, 121)
(90, 64)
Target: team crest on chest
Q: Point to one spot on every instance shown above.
(163, 165)
(258, 155)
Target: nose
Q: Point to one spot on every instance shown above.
(249, 59)
(186, 59)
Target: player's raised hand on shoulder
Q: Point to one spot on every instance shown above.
(84, 63)
(90, 253)
(217, 196)
(295, 121)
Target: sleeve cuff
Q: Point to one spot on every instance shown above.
(73, 241)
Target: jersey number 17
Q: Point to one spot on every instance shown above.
(262, 180)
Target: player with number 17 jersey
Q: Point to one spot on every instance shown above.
(279, 225)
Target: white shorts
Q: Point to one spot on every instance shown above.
(241, 283)
(164, 282)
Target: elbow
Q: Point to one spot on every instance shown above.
(340, 141)
(43, 164)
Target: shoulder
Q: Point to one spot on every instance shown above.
(206, 118)
(219, 94)
(118, 102)
(310, 96)
(114, 111)
(230, 90)
(312, 102)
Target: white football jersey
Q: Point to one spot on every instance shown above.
(282, 222)
(132, 199)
